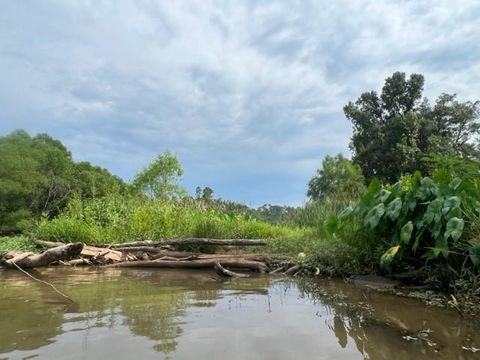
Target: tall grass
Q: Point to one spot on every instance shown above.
(18, 243)
(125, 218)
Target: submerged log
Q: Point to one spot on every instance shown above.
(64, 252)
(228, 273)
(189, 241)
(197, 264)
(293, 270)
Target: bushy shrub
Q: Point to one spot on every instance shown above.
(418, 221)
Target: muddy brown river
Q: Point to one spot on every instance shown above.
(163, 314)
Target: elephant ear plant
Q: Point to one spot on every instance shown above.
(419, 221)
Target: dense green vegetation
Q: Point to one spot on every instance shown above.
(407, 202)
(38, 176)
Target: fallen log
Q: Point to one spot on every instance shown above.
(293, 270)
(48, 244)
(76, 262)
(228, 273)
(145, 249)
(97, 252)
(197, 264)
(64, 252)
(189, 241)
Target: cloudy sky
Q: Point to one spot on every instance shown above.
(249, 94)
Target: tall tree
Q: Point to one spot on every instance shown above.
(395, 132)
(38, 176)
(339, 176)
(160, 178)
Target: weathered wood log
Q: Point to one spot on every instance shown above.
(48, 244)
(145, 249)
(76, 262)
(96, 252)
(189, 241)
(185, 254)
(64, 252)
(175, 254)
(197, 264)
(292, 270)
(277, 270)
(228, 273)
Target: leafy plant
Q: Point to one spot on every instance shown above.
(417, 220)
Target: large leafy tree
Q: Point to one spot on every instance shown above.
(397, 131)
(339, 176)
(38, 176)
(160, 178)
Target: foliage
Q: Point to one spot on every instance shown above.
(276, 214)
(118, 218)
(160, 178)
(19, 243)
(418, 221)
(38, 175)
(336, 176)
(205, 194)
(393, 133)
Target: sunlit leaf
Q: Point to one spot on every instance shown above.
(387, 258)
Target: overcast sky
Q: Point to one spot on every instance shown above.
(249, 94)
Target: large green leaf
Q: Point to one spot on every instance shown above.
(374, 215)
(393, 208)
(450, 203)
(434, 211)
(383, 195)
(427, 189)
(454, 228)
(406, 232)
(387, 258)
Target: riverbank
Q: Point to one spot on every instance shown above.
(299, 265)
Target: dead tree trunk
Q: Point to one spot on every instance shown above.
(228, 273)
(189, 241)
(197, 264)
(48, 244)
(64, 252)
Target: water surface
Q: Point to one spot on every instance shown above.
(171, 314)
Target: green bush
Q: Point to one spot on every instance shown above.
(418, 221)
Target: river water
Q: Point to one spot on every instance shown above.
(170, 314)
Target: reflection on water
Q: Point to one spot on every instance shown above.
(152, 314)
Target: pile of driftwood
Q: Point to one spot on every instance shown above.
(157, 254)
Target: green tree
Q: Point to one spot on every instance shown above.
(160, 179)
(395, 132)
(207, 194)
(94, 181)
(338, 175)
(38, 176)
